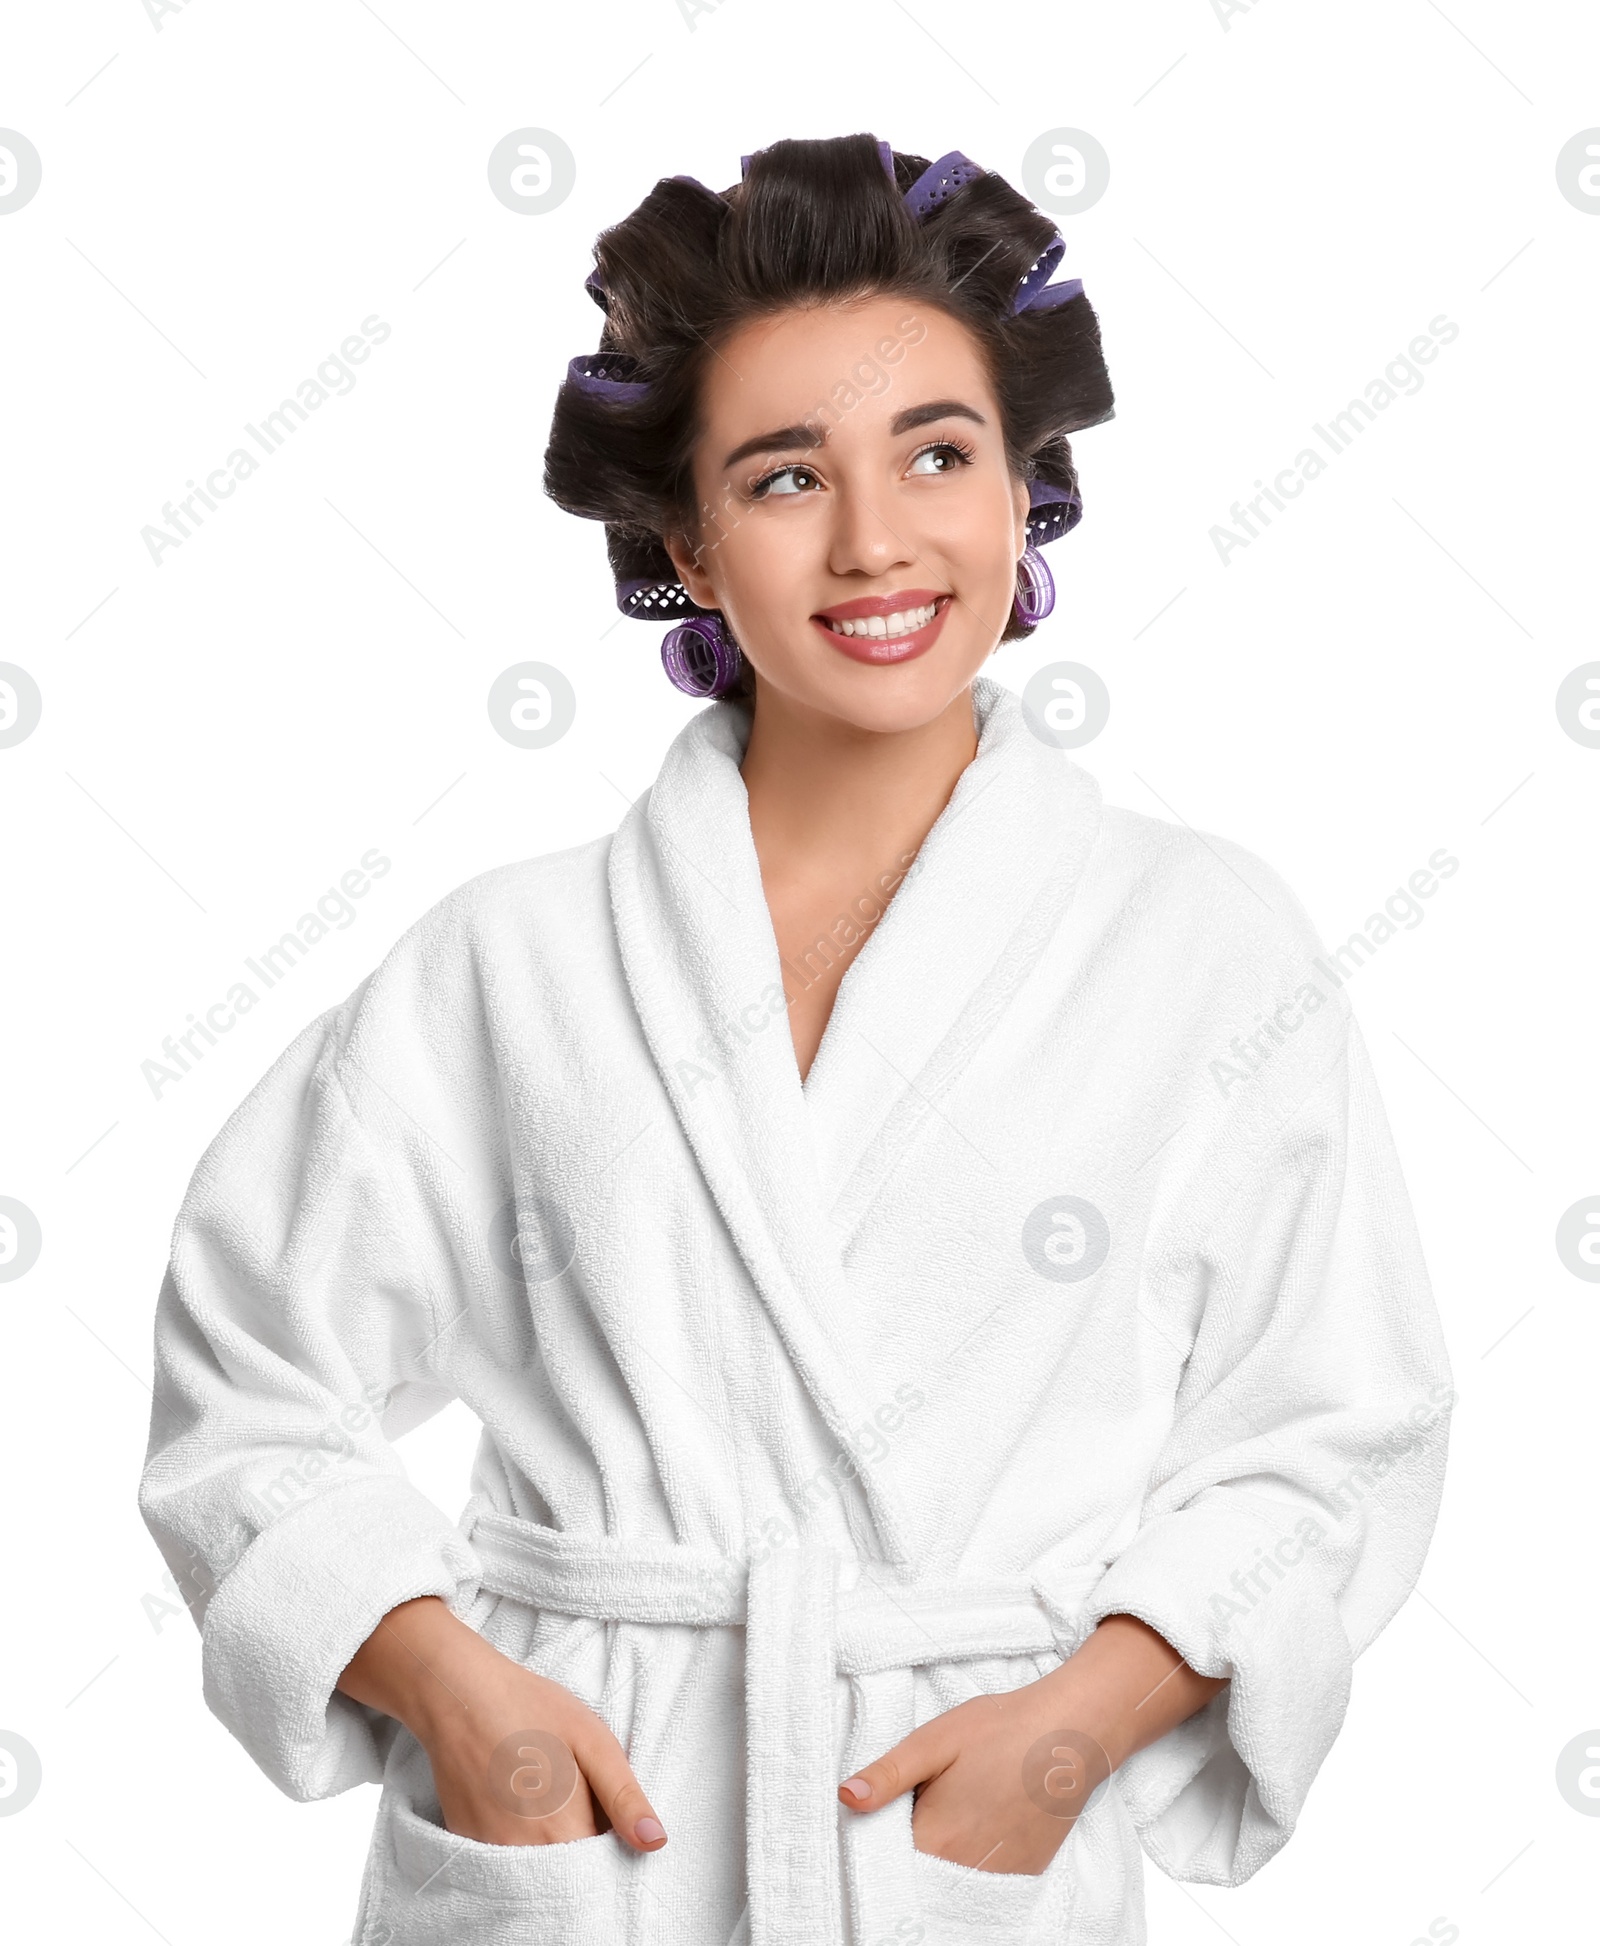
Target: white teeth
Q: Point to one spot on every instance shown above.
(901, 622)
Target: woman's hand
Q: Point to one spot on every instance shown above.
(517, 1759)
(1001, 1780)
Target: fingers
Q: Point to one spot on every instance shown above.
(912, 1761)
(563, 1777)
(611, 1778)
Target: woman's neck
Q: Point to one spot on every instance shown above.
(829, 798)
(838, 813)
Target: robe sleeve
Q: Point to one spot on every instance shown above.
(1294, 1498)
(291, 1327)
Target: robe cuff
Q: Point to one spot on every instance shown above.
(284, 1623)
(1217, 1796)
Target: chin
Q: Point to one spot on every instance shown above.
(898, 697)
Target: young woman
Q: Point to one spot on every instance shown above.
(959, 1379)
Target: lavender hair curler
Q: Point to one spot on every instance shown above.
(1036, 587)
(701, 658)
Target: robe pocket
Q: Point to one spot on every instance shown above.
(968, 1906)
(428, 1885)
(963, 1905)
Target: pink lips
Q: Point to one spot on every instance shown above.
(884, 648)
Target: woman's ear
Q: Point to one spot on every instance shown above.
(1022, 503)
(696, 582)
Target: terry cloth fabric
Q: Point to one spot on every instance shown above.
(810, 1410)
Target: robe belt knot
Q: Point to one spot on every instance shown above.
(802, 1630)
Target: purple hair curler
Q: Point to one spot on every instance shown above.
(701, 658)
(1036, 587)
(654, 600)
(607, 374)
(939, 180)
(1052, 512)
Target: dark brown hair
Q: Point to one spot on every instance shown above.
(811, 222)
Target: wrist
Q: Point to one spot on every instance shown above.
(1126, 1685)
(1072, 1699)
(417, 1665)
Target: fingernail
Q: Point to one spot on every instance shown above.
(858, 1787)
(648, 1830)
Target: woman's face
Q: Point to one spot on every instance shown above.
(851, 470)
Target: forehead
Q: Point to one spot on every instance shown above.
(889, 351)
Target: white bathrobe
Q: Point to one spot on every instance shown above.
(1078, 1278)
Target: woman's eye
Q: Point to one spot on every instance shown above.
(947, 454)
(780, 482)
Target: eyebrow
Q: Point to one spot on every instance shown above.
(787, 438)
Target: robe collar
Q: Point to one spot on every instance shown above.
(794, 1169)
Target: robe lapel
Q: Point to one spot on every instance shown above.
(701, 960)
(988, 890)
(794, 1170)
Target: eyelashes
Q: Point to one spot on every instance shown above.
(965, 454)
(757, 489)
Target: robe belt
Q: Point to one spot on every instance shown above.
(801, 1631)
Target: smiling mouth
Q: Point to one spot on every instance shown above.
(890, 632)
(902, 621)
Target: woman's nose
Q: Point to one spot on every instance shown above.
(864, 540)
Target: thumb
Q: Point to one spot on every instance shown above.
(912, 1761)
(612, 1780)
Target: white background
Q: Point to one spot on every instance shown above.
(1294, 195)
